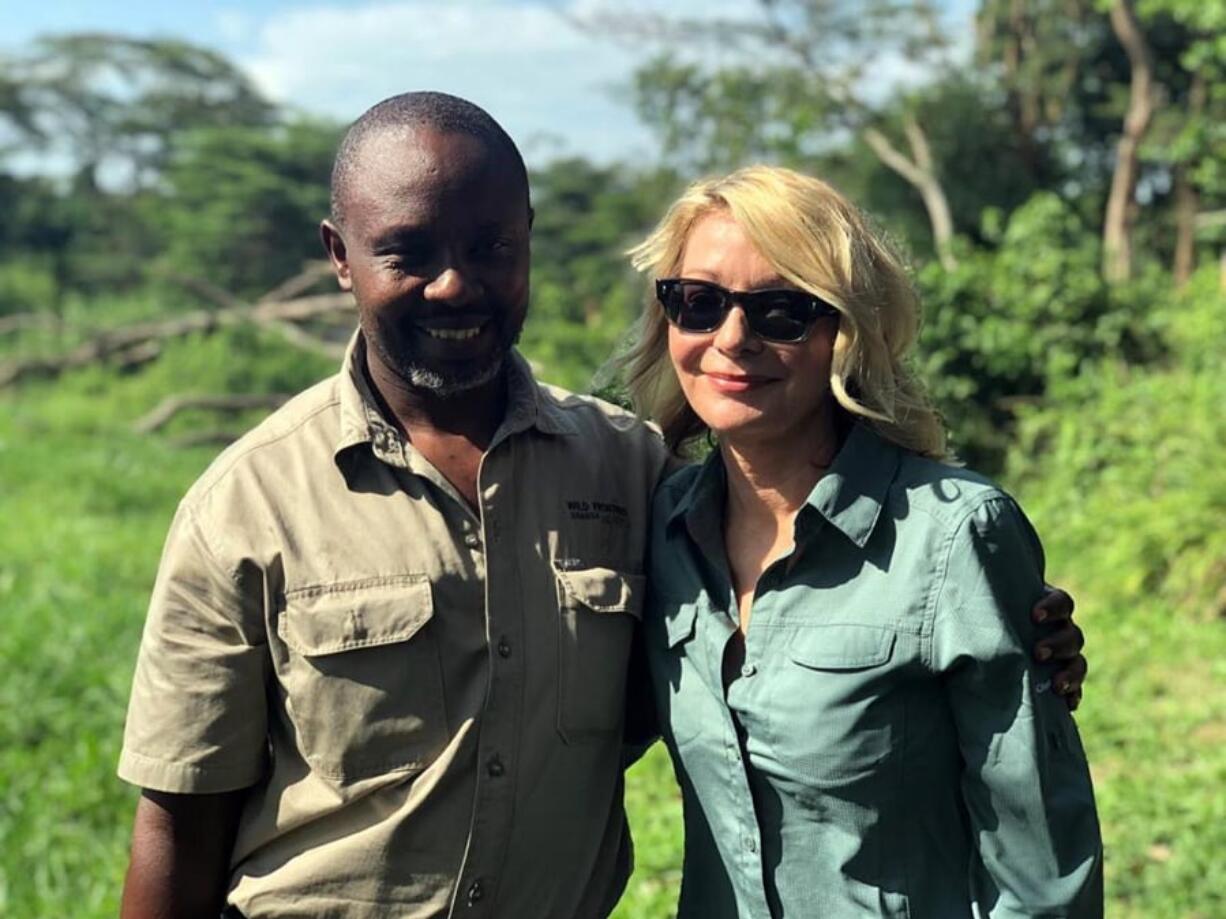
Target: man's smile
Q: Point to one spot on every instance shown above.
(454, 334)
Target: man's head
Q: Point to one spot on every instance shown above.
(429, 229)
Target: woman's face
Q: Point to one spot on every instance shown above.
(745, 389)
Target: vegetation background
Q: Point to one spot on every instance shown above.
(1063, 199)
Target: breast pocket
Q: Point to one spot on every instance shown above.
(363, 677)
(832, 710)
(597, 612)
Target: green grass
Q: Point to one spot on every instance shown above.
(85, 505)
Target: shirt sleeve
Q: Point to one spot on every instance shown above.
(197, 717)
(1026, 784)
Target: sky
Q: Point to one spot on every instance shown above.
(557, 89)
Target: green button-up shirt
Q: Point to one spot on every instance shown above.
(889, 747)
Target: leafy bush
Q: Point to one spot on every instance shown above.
(1007, 324)
(1129, 462)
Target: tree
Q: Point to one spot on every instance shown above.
(792, 80)
(240, 206)
(1143, 100)
(112, 105)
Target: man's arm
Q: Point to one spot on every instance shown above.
(180, 860)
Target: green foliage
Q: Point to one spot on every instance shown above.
(585, 295)
(1123, 475)
(113, 101)
(1007, 325)
(26, 285)
(242, 205)
(1135, 452)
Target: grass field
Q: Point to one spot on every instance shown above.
(84, 505)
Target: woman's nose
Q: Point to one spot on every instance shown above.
(734, 335)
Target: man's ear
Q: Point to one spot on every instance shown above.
(334, 245)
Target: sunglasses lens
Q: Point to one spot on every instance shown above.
(698, 308)
(781, 316)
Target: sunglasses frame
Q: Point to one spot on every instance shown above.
(817, 307)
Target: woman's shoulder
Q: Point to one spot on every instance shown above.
(945, 492)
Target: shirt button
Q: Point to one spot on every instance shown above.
(472, 540)
(751, 845)
(475, 893)
(495, 768)
(504, 648)
(749, 670)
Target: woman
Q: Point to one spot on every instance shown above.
(839, 629)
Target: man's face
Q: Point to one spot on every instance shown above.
(435, 249)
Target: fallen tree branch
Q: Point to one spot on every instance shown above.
(171, 406)
(19, 321)
(115, 341)
(312, 273)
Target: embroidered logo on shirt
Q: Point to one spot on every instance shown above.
(603, 511)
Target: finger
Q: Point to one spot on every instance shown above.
(1070, 679)
(1063, 644)
(1053, 606)
(1072, 700)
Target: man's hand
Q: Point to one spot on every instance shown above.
(1061, 643)
(180, 855)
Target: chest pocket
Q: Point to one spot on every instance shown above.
(363, 677)
(832, 713)
(597, 612)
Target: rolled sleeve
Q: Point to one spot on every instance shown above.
(197, 718)
(1026, 784)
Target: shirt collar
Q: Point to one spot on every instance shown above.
(850, 496)
(361, 422)
(704, 494)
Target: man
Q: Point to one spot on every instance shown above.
(385, 661)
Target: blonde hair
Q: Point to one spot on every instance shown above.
(819, 241)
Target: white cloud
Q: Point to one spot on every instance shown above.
(550, 84)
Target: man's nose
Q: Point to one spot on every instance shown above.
(452, 285)
(734, 335)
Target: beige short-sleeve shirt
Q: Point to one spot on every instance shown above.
(425, 700)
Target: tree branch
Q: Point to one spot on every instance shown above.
(171, 406)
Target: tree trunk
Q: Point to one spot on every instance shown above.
(1186, 203)
(919, 172)
(1117, 223)
(1187, 198)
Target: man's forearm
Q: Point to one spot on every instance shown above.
(180, 857)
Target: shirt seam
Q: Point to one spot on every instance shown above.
(935, 602)
(269, 440)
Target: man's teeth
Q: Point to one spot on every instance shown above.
(454, 334)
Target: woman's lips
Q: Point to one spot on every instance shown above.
(736, 382)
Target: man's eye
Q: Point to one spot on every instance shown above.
(495, 246)
(406, 260)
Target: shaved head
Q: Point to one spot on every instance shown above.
(439, 112)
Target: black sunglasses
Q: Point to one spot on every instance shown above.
(778, 315)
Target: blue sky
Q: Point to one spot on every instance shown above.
(556, 89)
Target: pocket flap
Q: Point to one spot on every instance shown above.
(341, 617)
(842, 647)
(604, 590)
(679, 619)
